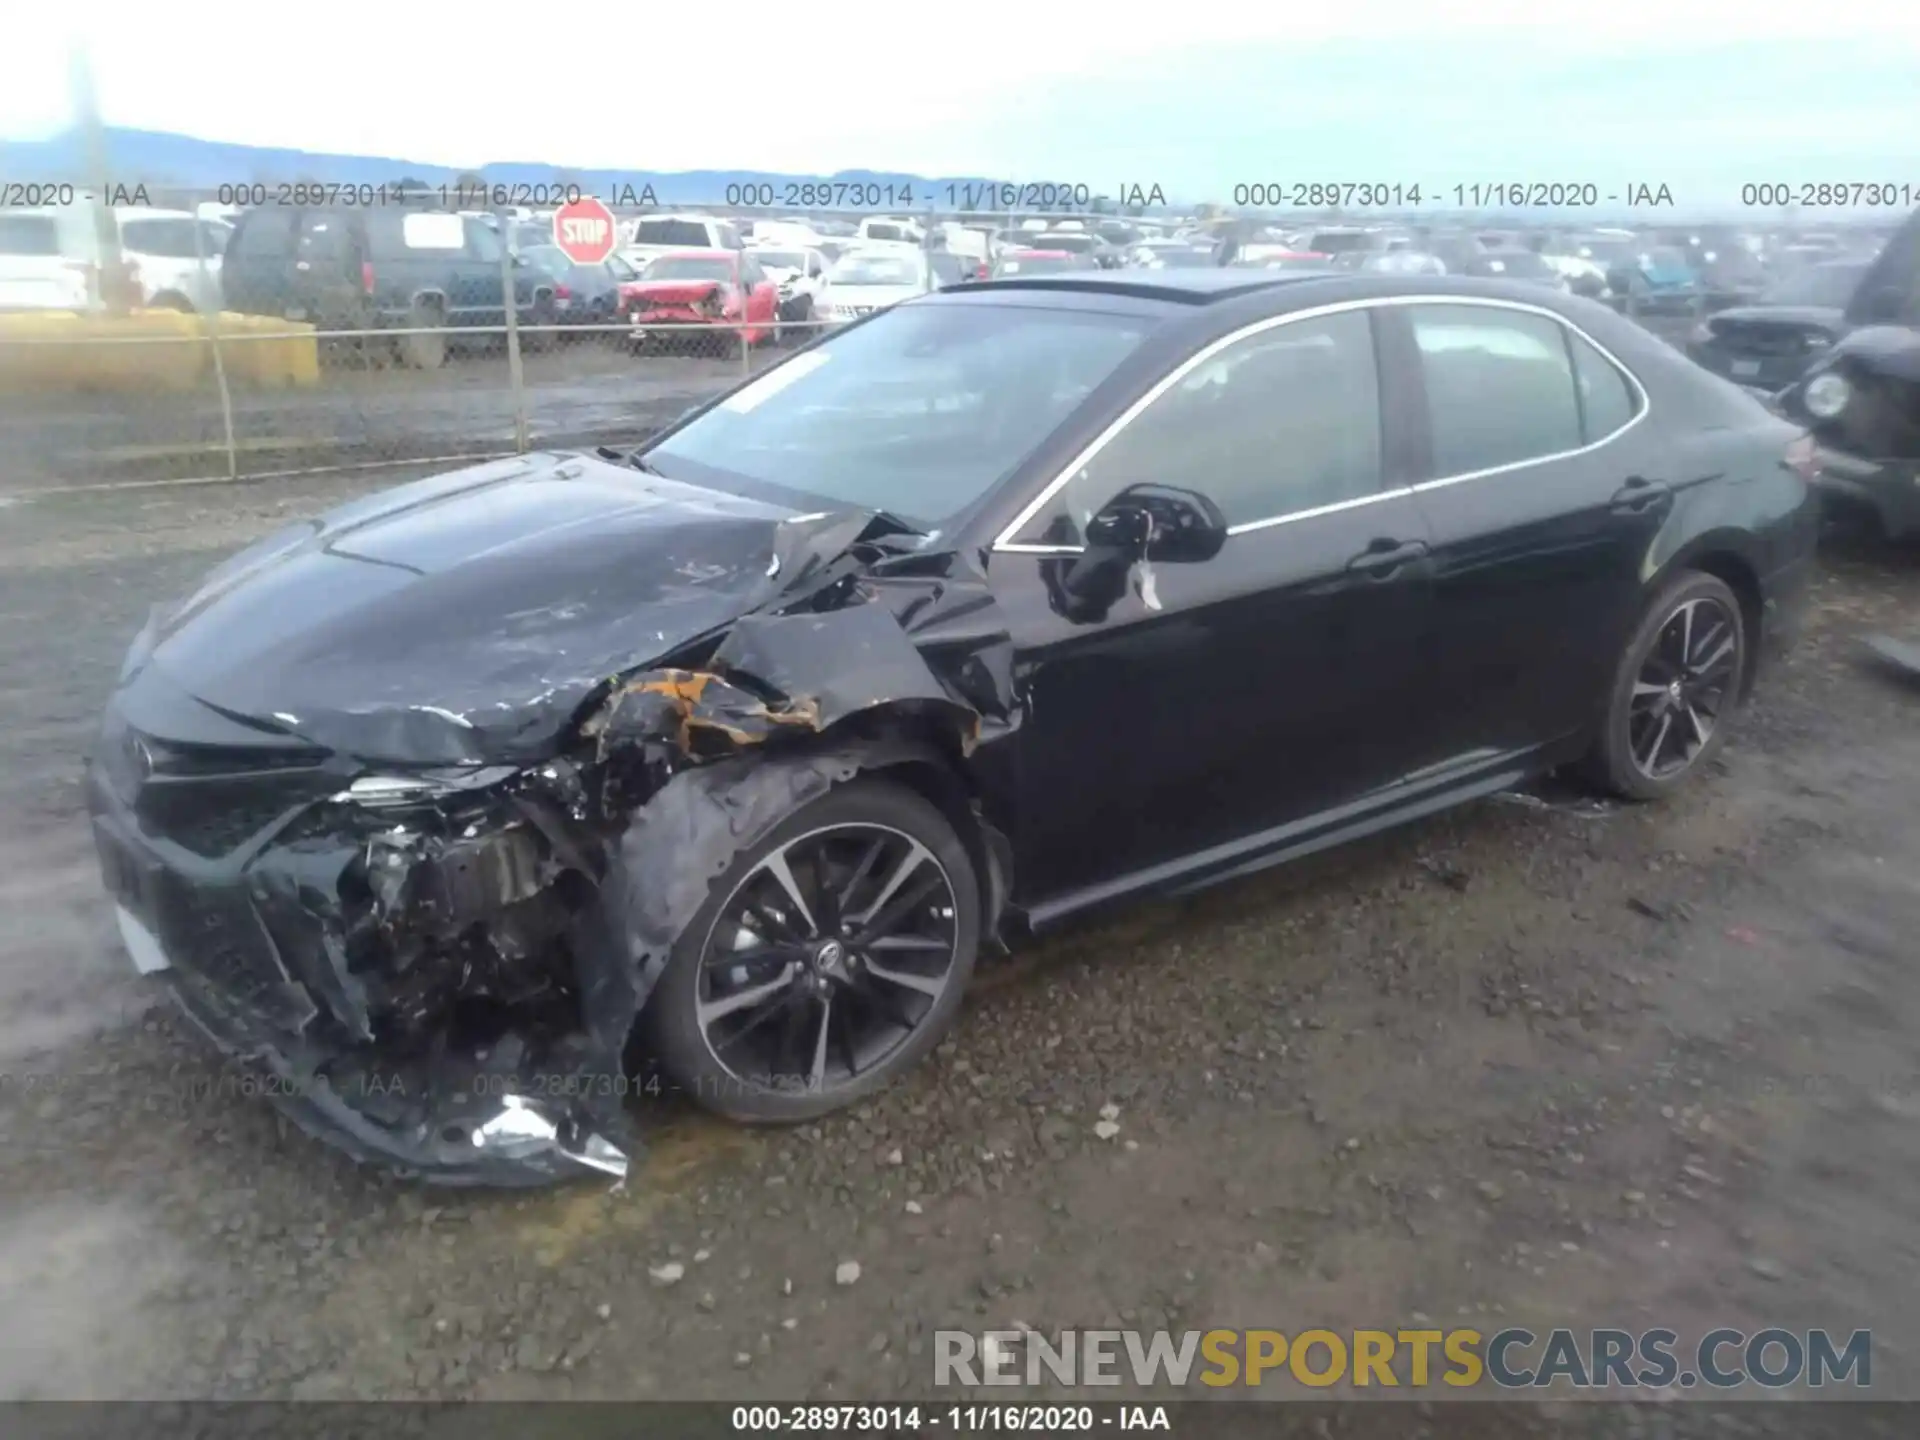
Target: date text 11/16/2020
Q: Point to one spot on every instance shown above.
(1480, 195)
(976, 196)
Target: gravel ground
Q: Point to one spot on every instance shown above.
(1513, 1065)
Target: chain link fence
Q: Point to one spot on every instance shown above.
(323, 339)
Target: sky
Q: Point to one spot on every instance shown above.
(1701, 95)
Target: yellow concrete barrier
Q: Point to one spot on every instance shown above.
(56, 350)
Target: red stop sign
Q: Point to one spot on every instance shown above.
(583, 228)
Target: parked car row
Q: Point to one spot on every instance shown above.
(52, 258)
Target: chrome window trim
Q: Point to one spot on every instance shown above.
(1005, 544)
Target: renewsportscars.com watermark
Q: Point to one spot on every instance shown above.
(1509, 1359)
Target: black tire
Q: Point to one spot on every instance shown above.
(423, 351)
(670, 1025)
(538, 342)
(802, 326)
(1629, 726)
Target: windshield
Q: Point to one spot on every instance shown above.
(1404, 262)
(1078, 244)
(886, 232)
(690, 267)
(1605, 251)
(671, 232)
(1515, 262)
(781, 259)
(1828, 286)
(918, 411)
(1034, 265)
(1337, 242)
(1665, 257)
(549, 258)
(858, 269)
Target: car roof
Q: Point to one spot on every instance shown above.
(1209, 286)
(1194, 287)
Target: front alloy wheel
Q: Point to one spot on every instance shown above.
(1674, 690)
(835, 960)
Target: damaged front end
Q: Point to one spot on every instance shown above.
(398, 954)
(438, 968)
(1861, 400)
(1862, 403)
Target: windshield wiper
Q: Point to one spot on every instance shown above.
(640, 463)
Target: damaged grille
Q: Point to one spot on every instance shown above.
(216, 824)
(212, 800)
(218, 937)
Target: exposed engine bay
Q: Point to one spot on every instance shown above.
(441, 965)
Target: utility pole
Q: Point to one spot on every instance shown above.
(116, 289)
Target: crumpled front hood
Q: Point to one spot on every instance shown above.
(1890, 350)
(467, 617)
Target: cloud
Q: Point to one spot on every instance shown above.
(1197, 98)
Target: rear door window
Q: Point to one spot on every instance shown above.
(483, 242)
(265, 234)
(323, 239)
(1500, 386)
(1608, 400)
(29, 235)
(164, 239)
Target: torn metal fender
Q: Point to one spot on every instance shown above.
(925, 639)
(677, 845)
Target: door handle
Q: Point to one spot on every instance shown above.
(1639, 495)
(1385, 557)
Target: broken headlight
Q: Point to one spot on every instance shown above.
(376, 791)
(1826, 395)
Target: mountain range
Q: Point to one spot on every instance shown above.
(166, 163)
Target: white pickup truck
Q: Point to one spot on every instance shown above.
(654, 235)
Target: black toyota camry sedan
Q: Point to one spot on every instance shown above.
(453, 809)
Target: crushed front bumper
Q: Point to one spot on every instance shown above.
(1886, 490)
(259, 966)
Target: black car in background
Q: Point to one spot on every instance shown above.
(414, 270)
(1525, 267)
(1728, 271)
(1861, 396)
(582, 294)
(979, 615)
(1769, 345)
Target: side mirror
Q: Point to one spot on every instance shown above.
(1159, 522)
(1143, 522)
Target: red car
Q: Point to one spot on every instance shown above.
(702, 287)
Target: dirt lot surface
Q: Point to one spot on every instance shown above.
(1513, 1065)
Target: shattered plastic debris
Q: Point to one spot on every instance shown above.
(519, 1128)
(1558, 801)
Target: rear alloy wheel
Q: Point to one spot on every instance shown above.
(1677, 686)
(830, 959)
